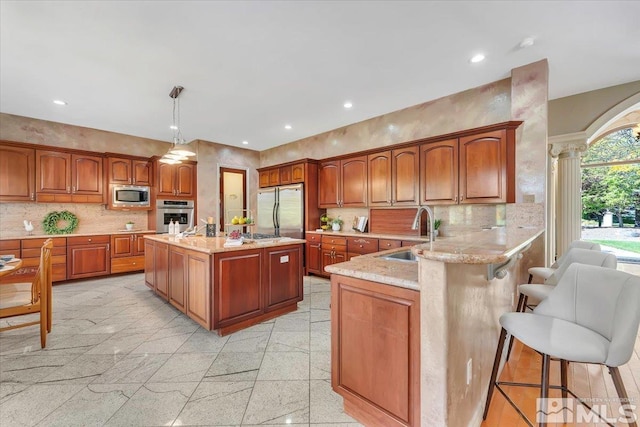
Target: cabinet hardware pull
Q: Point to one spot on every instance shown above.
(108, 247)
(461, 198)
(89, 239)
(455, 199)
(32, 196)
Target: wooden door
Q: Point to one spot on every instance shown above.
(185, 185)
(439, 177)
(199, 288)
(149, 265)
(142, 172)
(285, 175)
(297, 173)
(314, 258)
(274, 177)
(88, 261)
(283, 276)
(483, 168)
(86, 175)
(405, 178)
(354, 182)
(329, 184)
(139, 244)
(264, 179)
(122, 245)
(379, 176)
(161, 262)
(53, 172)
(119, 170)
(177, 278)
(166, 178)
(17, 174)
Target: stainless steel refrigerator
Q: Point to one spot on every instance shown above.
(281, 211)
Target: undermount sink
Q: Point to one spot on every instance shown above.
(406, 256)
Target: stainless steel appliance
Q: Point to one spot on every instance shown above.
(129, 196)
(281, 211)
(176, 210)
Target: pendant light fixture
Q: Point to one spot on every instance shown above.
(178, 151)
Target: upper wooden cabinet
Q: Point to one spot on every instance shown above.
(17, 174)
(393, 177)
(282, 175)
(176, 181)
(343, 183)
(129, 171)
(64, 177)
(439, 173)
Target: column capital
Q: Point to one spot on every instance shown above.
(568, 145)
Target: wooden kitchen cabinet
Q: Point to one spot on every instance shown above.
(178, 278)
(375, 351)
(156, 267)
(343, 183)
(88, 256)
(127, 171)
(127, 252)
(439, 177)
(68, 178)
(17, 174)
(384, 244)
(334, 250)
(361, 245)
(313, 254)
(263, 178)
(198, 289)
(292, 174)
(29, 251)
(274, 177)
(393, 177)
(283, 269)
(176, 181)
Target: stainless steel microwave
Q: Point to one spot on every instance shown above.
(131, 196)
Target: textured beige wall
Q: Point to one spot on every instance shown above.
(34, 131)
(575, 113)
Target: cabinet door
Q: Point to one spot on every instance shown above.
(138, 244)
(314, 258)
(177, 278)
(149, 265)
(354, 182)
(405, 176)
(199, 288)
(53, 172)
(439, 178)
(166, 175)
(274, 177)
(88, 261)
(161, 261)
(122, 245)
(283, 276)
(141, 172)
(285, 175)
(297, 173)
(264, 179)
(86, 175)
(329, 184)
(483, 168)
(119, 170)
(379, 176)
(185, 185)
(385, 244)
(17, 174)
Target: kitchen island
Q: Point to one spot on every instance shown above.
(413, 342)
(225, 288)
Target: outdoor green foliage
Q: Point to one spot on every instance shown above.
(611, 188)
(620, 244)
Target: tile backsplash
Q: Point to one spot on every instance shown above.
(92, 218)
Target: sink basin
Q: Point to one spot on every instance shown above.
(406, 256)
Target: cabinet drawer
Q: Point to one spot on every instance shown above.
(7, 246)
(37, 243)
(122, 265)
(59, 272)
(389, 244)
(313, 238)
(35, 252)
(332, 240)
(362, 245)
(87, 240)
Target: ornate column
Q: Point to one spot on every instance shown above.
(567, 149)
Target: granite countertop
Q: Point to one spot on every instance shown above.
(492, 246)
(372, 235)
(212, 245)
(102, 233)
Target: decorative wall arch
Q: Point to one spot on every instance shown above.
(598, 128)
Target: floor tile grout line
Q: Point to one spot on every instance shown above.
(253, 387)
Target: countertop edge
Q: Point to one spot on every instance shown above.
(189, 243)
(96, 233)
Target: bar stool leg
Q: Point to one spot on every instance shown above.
(494, 371)
(530, 279)
(521, 307)
(544, 386)
(622, 394)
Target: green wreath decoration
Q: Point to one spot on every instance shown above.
(50, 222)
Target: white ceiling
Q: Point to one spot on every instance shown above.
(249, 68)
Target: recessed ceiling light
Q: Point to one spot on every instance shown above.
(174, 127)
(59, 102)
(245, 142)
(348, 105)
(287, 127)
(477, 58)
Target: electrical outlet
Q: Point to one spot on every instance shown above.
(469, 371)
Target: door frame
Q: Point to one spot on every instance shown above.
(245, 186)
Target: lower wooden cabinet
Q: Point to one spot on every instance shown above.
(88, 256)
(375, 351)
(178, 278)
(198, 291)
(29, 251)
(283, 269)
(127, 252)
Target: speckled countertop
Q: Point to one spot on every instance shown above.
(103, 233)
(371, 235)
(212, 245)
(483, 247)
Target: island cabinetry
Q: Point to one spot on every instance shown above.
(334, 250)
(393, 177)
(375, 351)
(343, 183)
(198, 277)
(178, 277)
(88, 256)
(314, 253)
(127, 252)
(17, 174)
(176, 181)
(283, 268)
(64, 177)
(127, 171)
(156, 267)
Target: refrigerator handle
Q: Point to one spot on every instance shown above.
(278, 211)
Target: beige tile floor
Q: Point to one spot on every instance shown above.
(120, 356)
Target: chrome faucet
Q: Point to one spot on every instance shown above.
(416, 220)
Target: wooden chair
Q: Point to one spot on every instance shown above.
(17, 299)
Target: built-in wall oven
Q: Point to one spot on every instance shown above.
(180, 211)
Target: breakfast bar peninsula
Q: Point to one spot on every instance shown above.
(225, 288)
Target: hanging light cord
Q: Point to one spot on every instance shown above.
(177, 131)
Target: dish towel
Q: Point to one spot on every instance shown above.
(230, 243)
